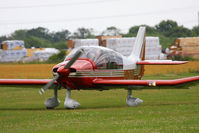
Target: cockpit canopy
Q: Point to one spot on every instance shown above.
(103, 58)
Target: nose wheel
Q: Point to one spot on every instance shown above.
(53, 102)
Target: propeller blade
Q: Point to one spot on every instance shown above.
(49, 84)
(75, 57)
(67, 66)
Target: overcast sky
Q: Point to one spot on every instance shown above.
(57, 15)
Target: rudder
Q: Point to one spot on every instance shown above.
(139, 46)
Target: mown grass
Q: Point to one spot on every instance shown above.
(173, 110)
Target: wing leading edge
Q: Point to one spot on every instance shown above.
(151, 83)
(24, 81)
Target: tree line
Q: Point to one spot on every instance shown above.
(166, 30)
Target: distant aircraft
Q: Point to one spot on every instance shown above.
(100, 68)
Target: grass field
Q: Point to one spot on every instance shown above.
(22, 111)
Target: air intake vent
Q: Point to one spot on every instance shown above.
(72, 70)
(55, 70)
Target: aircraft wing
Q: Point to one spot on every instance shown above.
(160, 62)
(150, 83)
(24, 81)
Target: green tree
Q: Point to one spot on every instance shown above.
(33, 41)
(60, 36)
(165, 26)
(19, 35)
(170, 28)
(132, 31)
(180, 31)
(40, 32)
(112, 31)
(195, 31)
(3, 38)
(83, 33)
(150, 31)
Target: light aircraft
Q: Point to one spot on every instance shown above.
(100, 68)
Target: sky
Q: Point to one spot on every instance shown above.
(57, 15)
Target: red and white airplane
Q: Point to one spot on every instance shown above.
(100, 68)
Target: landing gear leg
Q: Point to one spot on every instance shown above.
(132, 101)
(70, 103)
(53, 102)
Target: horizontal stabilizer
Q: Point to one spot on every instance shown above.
(160, 62)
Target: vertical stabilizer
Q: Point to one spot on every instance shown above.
(137, 54)
(139, 46)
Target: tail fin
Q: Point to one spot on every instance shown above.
(139, 46)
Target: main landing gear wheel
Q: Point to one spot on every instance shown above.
(70, 103)
(132, 101)
(53, 102)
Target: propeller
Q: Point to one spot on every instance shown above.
(75, 57)
(67, 67)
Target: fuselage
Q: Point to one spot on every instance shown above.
(97, 63)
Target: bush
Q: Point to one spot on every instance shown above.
(60, 45)
(57, 58)
(180, 58)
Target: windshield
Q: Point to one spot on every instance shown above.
(103, 58)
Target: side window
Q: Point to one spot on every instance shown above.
(101, 61)
(110, 61)
(112, 65)
(115, 62)
(102, 65)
